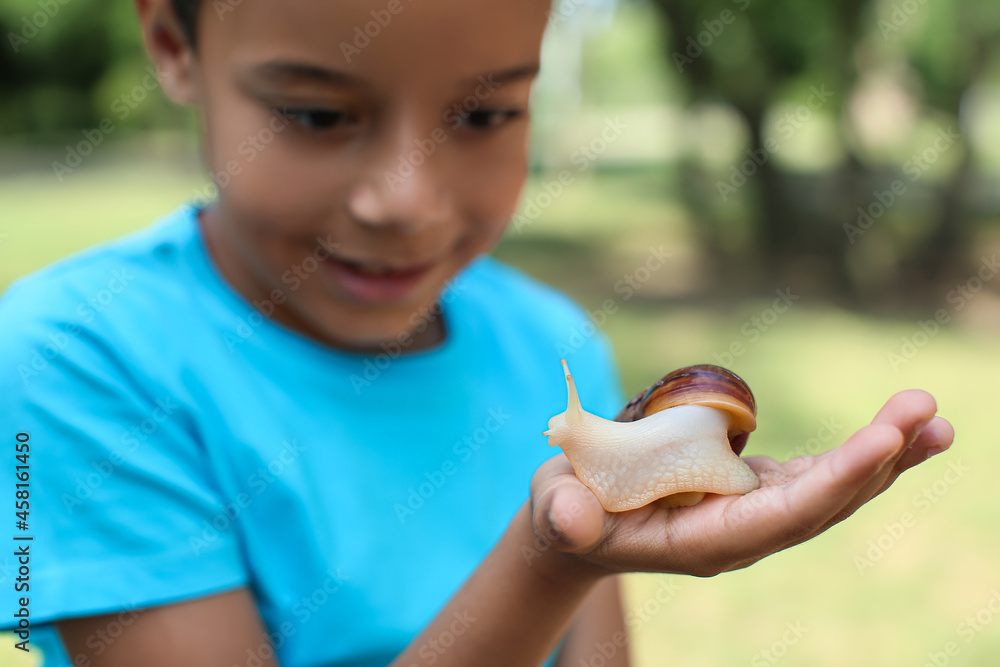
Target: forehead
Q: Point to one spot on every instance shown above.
(385, 41)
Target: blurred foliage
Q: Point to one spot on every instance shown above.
(880, 64)
(65, 65)
(718, 90)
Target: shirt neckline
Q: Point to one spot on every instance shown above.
(455, 324)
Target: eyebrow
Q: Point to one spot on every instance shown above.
(287, 72)
(283, 71)
(505, 76)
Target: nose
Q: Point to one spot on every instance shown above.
(403, 186)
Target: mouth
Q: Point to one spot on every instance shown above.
(375, 281)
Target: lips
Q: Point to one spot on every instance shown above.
(376, 282)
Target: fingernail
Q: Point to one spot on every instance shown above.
(555, 534)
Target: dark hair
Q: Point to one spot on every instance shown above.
(187, 14)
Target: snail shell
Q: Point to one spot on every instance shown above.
(703, 384)
(672, 443)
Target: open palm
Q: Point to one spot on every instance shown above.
(797, 500)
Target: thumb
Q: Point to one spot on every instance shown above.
(565, 511)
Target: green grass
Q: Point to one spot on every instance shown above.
(814, 363)
(817, 364)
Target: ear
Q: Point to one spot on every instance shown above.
(174, 58)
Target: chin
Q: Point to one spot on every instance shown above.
(398, 337)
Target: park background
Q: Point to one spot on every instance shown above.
(842, 153)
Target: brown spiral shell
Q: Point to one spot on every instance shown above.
(702, 384)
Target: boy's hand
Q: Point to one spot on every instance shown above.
(797, 500)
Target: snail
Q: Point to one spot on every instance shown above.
(672, 443)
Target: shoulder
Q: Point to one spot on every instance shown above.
(533, 326)
(95, 276)
(510, 295)
(108, 299)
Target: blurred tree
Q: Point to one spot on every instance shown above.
(64, 65)
(754, 55)
(787, 69)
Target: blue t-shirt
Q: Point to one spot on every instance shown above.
(183, 444)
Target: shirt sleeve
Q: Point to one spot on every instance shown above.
(123, 510)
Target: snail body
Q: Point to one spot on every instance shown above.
(672, 443)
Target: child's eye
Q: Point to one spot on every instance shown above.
(313, 119)
(486, 119)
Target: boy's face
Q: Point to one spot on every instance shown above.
(365, 151)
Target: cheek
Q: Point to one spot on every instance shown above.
(257, 161)
(494, 186)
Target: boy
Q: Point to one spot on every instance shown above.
(300, 431)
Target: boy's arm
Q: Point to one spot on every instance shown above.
(223, 629)
(511, 611)
(516, 605)
(598, 629)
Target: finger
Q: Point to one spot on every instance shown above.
(909, 411)
(552, 469)
(936, 437)
(565, 511)
(823, 489)
(936, 434)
